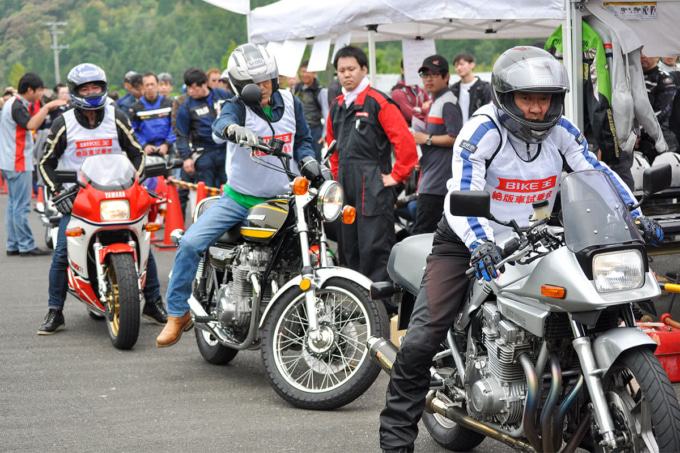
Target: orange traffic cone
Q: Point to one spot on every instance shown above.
(200, 192)
(160, 209)
(40, 204)
(174, 219)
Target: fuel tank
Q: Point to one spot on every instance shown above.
(265, 220)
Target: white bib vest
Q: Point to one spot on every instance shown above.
(247, 176)
(82, 143)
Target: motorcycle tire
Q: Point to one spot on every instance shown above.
(641, 396)
(49, 243)
(449, 435)
(122, 310)
(335, 371)
(212, 350)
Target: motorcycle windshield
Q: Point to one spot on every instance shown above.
(108, 172)
(593, 212)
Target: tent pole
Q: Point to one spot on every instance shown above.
(573, 61)
(371, 54)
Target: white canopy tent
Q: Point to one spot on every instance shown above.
(290, 23)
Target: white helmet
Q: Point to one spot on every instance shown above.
(250, 63)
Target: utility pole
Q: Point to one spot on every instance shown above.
(55, 46)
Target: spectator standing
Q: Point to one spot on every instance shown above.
(661, 90)
(668, 64)
(292, 83)
(224, 83)
(442, 125)
(9, 92)
(214, 76)
(367, 124)
(334, 89)
(150, 117)
(203, 157)
(471, 91)
(126, 101)
(165, 85)
(314, 98)
(16, 161)
(412, 100)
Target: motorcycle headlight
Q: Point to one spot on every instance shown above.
(618, 271)
(330, 200)
(114, 210)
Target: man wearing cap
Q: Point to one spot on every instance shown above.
(442, 124)
(126, 101)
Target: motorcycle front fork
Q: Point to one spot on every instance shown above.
(593, 380)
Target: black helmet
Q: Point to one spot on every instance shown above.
(82, 74)
(528, 70)
(250, 63)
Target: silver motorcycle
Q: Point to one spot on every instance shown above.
(549, 352)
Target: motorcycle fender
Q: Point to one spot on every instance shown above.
(321, 276)
(116, 248)
(611, 344)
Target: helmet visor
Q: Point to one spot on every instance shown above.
(532, 75)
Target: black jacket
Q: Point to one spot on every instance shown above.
(480, 94)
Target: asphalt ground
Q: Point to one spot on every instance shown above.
(73, 391)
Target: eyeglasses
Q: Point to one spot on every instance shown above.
(429, 75)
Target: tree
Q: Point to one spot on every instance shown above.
(91, 16)
(15, 74)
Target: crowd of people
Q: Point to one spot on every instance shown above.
(440, 136)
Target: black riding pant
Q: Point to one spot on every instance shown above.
(443, 289)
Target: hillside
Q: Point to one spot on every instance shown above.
(152, 35)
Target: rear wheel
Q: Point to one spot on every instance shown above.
(122, 308)
(212, 350)
(448, 434)
(331, 370)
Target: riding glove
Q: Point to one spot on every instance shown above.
(64, 200)
(652, 232)
(242, 135)
(485, 256)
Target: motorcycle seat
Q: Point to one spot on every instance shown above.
(232, 235)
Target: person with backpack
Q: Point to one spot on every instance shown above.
(314, 98)
(471, 91)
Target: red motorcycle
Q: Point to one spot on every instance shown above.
(108, 240)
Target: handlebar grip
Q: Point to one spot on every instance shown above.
(510, 247)
(470, 273)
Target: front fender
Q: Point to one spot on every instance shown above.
(611, 344)
(116, 248)
(321, 275)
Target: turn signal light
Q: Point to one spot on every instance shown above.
(305, 284)
(556, 292)
(349, 214)
(300, 185)
(74, 232)
(162, 212)
(152, 226)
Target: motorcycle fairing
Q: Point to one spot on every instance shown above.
(407, 261)
(82, 289)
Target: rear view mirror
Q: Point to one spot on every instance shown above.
(251, 94)
(65, 176)
(656, 178)
(470, 203)
(329, 151)
(153, 170)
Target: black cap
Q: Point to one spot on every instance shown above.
(435, 62)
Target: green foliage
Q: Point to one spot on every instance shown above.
(15, 74)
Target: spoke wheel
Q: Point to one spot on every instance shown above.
(122, 308)
(331, 368)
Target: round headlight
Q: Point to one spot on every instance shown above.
(330, 201)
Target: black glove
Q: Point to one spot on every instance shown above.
(64, 201)
(485, 256)
(242, 135)
(652, 232)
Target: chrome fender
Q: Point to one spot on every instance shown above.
(611, 344)
(320, 277)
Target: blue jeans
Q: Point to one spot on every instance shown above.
(206, 231)
(59, 278)
(210, 168)
(316, 136)
(19, 234)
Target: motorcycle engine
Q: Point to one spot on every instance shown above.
(496, 383)
(234, 299)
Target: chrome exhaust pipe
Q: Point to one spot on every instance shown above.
(197, 310)
(454, 413)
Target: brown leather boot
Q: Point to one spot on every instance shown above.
(173, 330)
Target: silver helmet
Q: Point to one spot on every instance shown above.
(83, 74)
(250, 63)
(528, 70)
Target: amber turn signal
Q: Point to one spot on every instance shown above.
(74, 232)
(305, 284)
(300, 185)
(349, 214)
(152, 226)
(556, 292)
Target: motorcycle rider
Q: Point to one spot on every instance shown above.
(93, 117)
(280, 115)
(514, 149)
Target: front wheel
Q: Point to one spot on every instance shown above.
(122, 308)
(333, 369)
(642, 404)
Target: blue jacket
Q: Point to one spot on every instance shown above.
(152, 122)
(234, 112)
(126, 102)
(194, 118)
